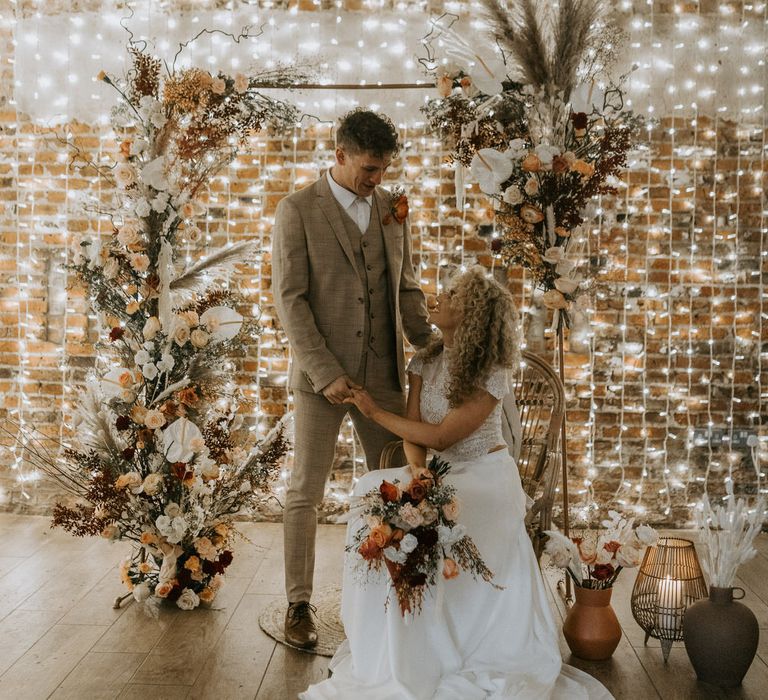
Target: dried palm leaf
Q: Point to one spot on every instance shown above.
(194, 278)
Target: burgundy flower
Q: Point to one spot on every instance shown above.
(175, 593)
(601, 572)
(116, 333)
(225, 558)
(417, 579)
(579, 120)
(128, 453)
(123, 423)
(497, 244)
(427, 537)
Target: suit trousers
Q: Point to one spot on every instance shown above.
(317, 424)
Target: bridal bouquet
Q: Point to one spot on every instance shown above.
(538, 125)
(728, 533)
(412, 529)
(596, 562)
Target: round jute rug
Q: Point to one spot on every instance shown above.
(330, 631)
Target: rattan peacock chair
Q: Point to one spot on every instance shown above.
(540, 402)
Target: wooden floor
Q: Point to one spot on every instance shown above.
(60, 637)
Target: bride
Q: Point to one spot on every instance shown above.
(471, 641)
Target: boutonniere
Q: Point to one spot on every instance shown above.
(398, 207)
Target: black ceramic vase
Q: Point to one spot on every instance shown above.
(720, 637)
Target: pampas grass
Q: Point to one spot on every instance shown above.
(547, 49)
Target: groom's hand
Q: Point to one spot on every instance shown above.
(339, 389)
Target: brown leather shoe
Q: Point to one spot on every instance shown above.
(300, 630)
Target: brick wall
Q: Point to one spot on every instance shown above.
(669, 351)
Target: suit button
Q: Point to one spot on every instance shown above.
(372, 338)
(372, 316)
(361, 300)
(369, 267)
(359, 334)
(370, 291)
(365, 244)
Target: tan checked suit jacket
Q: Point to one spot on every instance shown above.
(316, 287)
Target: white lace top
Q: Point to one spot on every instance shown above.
(434, 407)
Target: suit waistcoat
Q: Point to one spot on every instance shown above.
(371, 263)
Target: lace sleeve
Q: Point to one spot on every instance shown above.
(416, 365)
(497, 384)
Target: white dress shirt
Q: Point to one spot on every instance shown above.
(359, 208)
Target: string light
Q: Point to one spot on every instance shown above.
(702, 77)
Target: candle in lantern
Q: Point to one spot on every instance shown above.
(669, 604)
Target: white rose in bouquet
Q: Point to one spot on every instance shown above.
(188, 600)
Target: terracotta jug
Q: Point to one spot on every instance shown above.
(720, 637)
(591, 628)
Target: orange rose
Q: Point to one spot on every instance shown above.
(125, 148)
(583, 168)
(450, 568)
(531, 163)
(389, 492)
(163, 589)
(562, 232)
(144, 567)
(193, 563)
(400, 209)
(397, 535)
(381, 535)
(207, 595)
(368, 550)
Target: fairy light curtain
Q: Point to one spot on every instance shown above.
(666, 371)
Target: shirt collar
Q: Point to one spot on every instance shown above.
(343, 195)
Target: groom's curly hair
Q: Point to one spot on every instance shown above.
(363, 131)
(488, 335)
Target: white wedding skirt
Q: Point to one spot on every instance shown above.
(470, 640)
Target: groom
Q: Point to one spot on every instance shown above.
(346, 292)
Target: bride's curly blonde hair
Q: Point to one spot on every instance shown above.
(487, 336)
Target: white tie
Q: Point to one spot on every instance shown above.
(361, 213)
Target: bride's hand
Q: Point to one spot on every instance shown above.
(362, 399)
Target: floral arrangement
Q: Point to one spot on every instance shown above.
(398, 206)
(163, 459)
(539, 127)
(413, 531)
(728, 533)
(596, 562)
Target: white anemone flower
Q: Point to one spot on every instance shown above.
(490, 168)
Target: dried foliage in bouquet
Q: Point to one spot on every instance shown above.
(728, 534)
(539, 126)
(595, 560)
(412, 529)
(163, 458)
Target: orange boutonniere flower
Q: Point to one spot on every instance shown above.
(398, 207)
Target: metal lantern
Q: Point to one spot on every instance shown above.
(668, 582)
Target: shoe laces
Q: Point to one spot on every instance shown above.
(301, 611)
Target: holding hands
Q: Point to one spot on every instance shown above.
(340, 389)
(363, 401)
